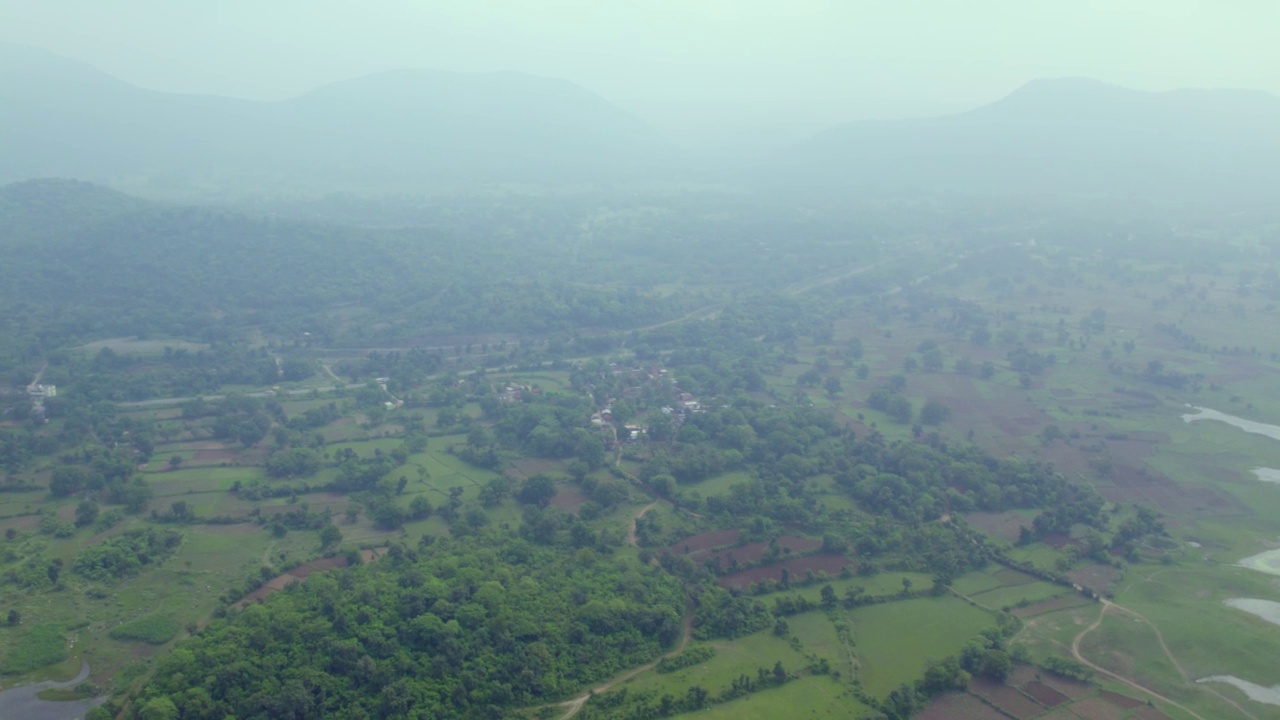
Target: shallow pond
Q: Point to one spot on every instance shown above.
(1249, 426)
(1267, 562)
(1270, 475)
(1265, 609)
(21, 702)
(1257, 693)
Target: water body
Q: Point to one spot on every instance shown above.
(1265, 609)
(21, 702)
(1256, 693)
(1249, 426)
(1267, 562)
(1270, 475)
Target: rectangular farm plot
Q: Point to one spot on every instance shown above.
(755, 552)
(818, 636)
(1008, 699)
(794, 569)
(1054, 604)
(961, 706)
(198, 480)
(1044, 694)
(973, 583)
(744, 656)
(1015, 595)
(699, 544)
(807, 697)
(1149, 713)
(880, 584)
(894, 640)
(1096, 708)
(720, 484)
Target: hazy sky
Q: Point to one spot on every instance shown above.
(744, 66)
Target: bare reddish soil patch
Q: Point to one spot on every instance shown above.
(1127, 484)
(701, 542)
(22, 524)
(302, 572)
(1021, 675)
(532, 466)
(1098, 709)
(1123, 701)
(1057, 541)
(1001, 525)
(306, 570)
(1098, 577)
(796, 568)
(959, 706)
(1007, 699)
(754, 552)
(1044, 694)
(274, 585)
(568, 497)
(1073, 689)
(1149, 713)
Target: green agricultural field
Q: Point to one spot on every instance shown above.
(744, 656)
(976, 582)
(29, 648)
(184, 481)
(1223, 640)
(817, 636)
(718, 485)
(1040, 555)
(814, 697)
(1014, 595)
(146, 348)
(886, 583)
(894, 640)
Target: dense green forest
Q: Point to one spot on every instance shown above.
(451, 629)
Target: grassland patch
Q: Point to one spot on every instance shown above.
(32, 648)
(155, 629)
(894, 640)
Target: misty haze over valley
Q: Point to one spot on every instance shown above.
(681, 360)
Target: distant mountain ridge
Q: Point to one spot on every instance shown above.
(64, 118)
(1072, 136)
(410, 130)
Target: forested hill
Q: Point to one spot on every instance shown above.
(395, 129)
(85, 263)
(79, 257)
(1063, 136)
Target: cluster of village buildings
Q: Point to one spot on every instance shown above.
(37, 393)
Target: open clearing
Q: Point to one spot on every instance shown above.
(893, 639)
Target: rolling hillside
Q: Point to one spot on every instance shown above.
(1065, 136)
(403, 128)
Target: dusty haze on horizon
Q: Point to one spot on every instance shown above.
(746, 70)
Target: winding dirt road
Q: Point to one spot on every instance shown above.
(631, 533)
(572, 707)
(1107, 605)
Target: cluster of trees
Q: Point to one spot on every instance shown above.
(467, 629)
(125, 554)
(889, 400)
(110, 475)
